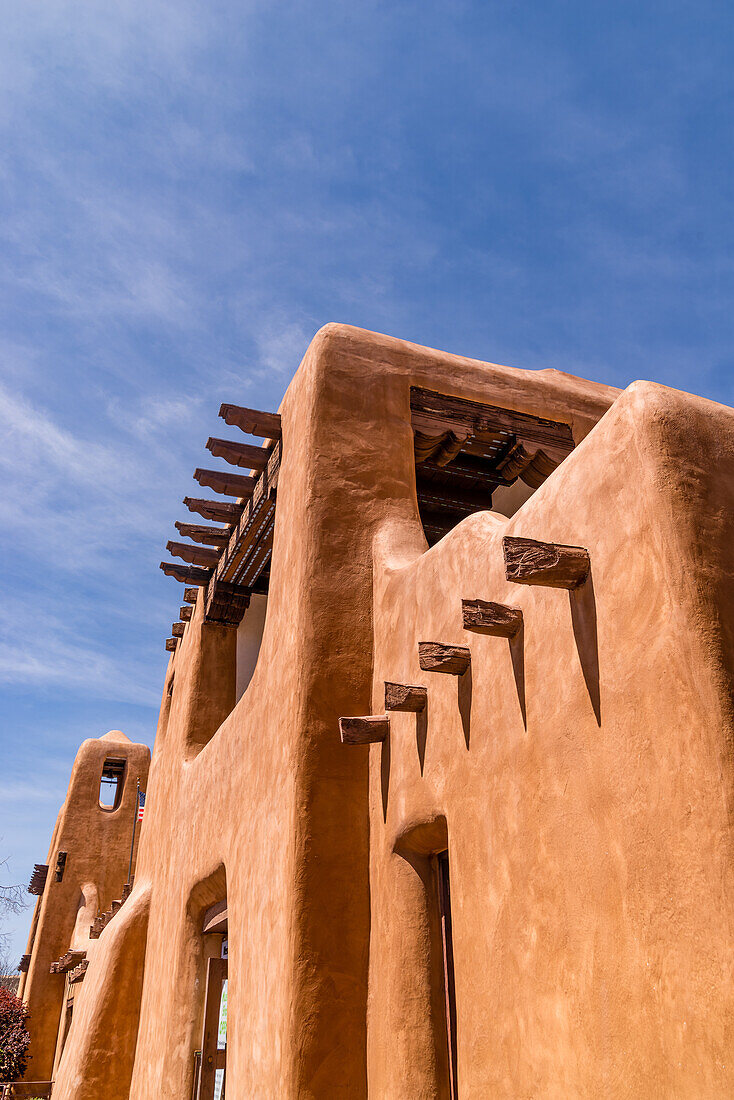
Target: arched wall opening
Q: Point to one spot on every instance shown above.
(112, 783)
(424, 848)
(207, 917)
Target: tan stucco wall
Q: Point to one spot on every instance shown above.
(590, 889)
(590, 841)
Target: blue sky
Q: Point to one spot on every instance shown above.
(191, 189)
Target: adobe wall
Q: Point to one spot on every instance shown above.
(582, 838)
(585, 779)
(97, 843)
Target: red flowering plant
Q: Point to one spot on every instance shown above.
(14, 1037)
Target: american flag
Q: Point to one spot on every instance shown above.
(141, 805)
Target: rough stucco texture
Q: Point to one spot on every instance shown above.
(581, 775)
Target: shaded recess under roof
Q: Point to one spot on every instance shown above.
(465, 451)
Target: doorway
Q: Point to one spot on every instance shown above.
(212, 1069)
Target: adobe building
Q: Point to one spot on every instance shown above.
(440, 803)
(79, 888)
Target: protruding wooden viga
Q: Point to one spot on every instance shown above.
(545, 563)
(436, 657)
(265, 424)
(194, 555)
(186, 574)
(485, 617)
(232, 485)
(197, 532)
(409, 697)
(366, 730)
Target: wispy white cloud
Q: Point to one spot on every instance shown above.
(61, 663)
(191, 190)
(281, 344)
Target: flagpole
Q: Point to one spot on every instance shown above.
(135, 825)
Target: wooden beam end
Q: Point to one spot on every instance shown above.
(486, 617)
(368, 730)
(436, 657)
(410, 697)
(549, 564)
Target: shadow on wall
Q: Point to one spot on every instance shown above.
(517, 655)
(464, 695)
(583, 617)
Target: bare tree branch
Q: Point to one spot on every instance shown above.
(12, 902)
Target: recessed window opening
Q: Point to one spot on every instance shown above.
(443, 890)
(68, 1015)
(471, 457)
(249, 639)
(111, 783)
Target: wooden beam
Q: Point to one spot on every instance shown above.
(539, 469)
(178, 630)
(190, 594)
(213, 536)
(185, 613)
(72, 958)
(435, 496)
(215, 919)
(186, 574)
(442, 520)
(194, 555)
(239, 454)
(405, 697)
(435, 657)
(441, 448)
(261, 586)
(549, 564)
(264, 424)
(459, 481)
(467, 472)
(78, 972)
(171, 644)
(38, 879)
(221, 481)
(218, 511)
(254, 526)
(226, 603)
(433, 535)
(245, 561)
(60, 865)
(364, 731)
(485, 617)
(458, 412)
(258, 558)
